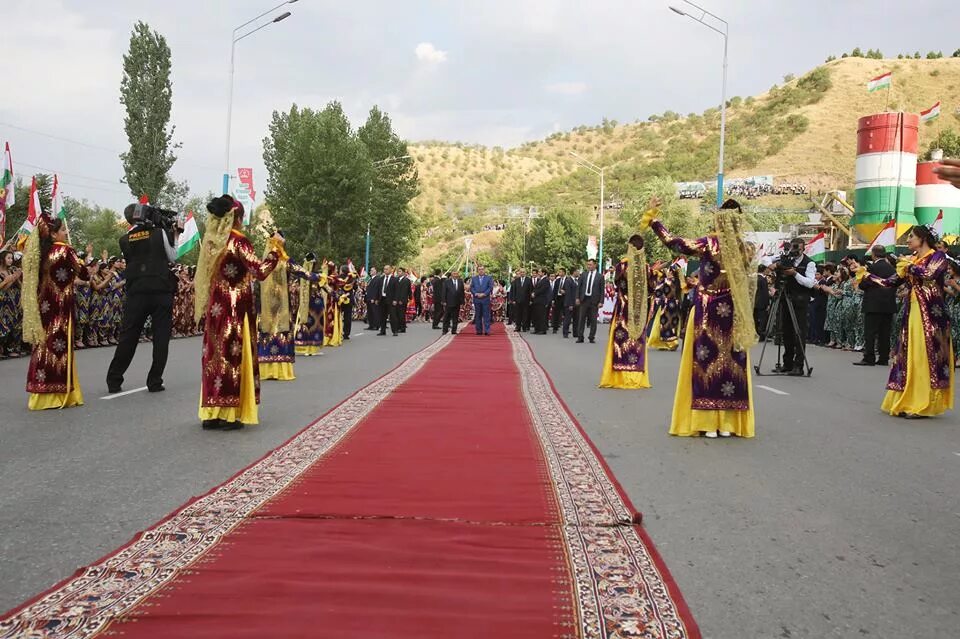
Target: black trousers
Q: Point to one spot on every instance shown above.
(539, 312)
(876, 337)
(373, 315)
(437, 312)
(139, 306)
(588, 314)
(522, 315)
(388, 313)
(451, 317)
(402, 315)
(419, 305)
(760, 318)
(557, 317)
(794, 344)
(567, 312)
(347, 316)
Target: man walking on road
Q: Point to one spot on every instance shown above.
(481, 287)
(520, 292)
(387, 296)
(559, 285)
(541, 302)
(879, 305)
(589, 296)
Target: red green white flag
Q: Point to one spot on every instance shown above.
(59, 207)
(931, 113)
(190, 238)
(34, 210)
(938, 224)
(884, 81)
(7, 190)
(816, 248)
(887, 237)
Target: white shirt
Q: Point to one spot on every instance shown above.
(386, 280)
(590, 283)
(809, 277)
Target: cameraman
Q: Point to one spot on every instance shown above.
(798, 273)
(148, 248)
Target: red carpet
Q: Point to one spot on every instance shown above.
(454, 497)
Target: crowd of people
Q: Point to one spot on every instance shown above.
(743, 190)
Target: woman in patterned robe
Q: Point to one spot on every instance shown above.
(275, 345)
(714, 395)
(664, 327)
(921, 367)
(50, 268)
(10, 315)
(625, 363)
(851, 315)
(230, 384)
(311, 317)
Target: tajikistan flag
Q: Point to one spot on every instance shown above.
(7, 190)
(931, 113)
(59, 207)
(816, 248)
(190, 238)
(887, 237)
(938, 224)
(884, 81)
(34, 210)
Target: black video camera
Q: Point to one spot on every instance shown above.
(148, 217)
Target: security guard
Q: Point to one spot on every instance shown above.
(148, 250)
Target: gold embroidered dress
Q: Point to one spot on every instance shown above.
(230, 383)
(52, 375)
(625, 363)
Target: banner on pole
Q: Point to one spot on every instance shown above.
(592, 249)
(244, 193)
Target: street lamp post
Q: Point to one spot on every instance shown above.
(590, 166)
(723, 91)
(233, 46)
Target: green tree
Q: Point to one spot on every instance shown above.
(948, 140)
(956, 54)
(395, 184)
(509, 251)
(856, 53)
(93, 226)
(558, 238)
(147, 94)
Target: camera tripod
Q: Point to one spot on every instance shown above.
(774, 331)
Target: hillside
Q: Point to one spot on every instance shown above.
(803, 131)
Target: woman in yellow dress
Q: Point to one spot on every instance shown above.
(50, 267)
(921, 368)
(230, 381)
(625, 364)
(714, 395)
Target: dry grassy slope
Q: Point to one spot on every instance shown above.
(825, 153)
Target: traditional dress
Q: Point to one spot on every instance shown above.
(851, 316)
(230, 384)
(10, 317)
(311, 316)
(665, 324)
(714, 383)
(275, 346)
(625, 363)
(52, 376)
(921, 367)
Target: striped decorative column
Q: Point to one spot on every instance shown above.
(886, 172)
(934, 194)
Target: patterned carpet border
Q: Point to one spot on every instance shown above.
(86, 603)
(621, 585)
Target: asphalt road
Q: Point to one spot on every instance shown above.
(835, 521)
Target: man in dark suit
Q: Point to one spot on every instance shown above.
(388, 302)
(575, 316)
(348, 291)
(879, 304)
(589, 298)
(520, 293)
(371, 296)
(761, 302)
(418, 290)
(558, 293)
(436, 284)
(404, 291)
(541, 302)
(453, 298)
(568, 301)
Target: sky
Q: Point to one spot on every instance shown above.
(493, 72)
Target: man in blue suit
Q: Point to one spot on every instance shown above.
(481, 287)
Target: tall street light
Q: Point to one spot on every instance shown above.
(233, 47)
(590, 166)
(723, 95)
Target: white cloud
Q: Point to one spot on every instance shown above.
(566, 88)
(428, 53)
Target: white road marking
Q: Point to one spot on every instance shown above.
(129, 392)
(772, 390)
(957, 454)
(356, 334)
